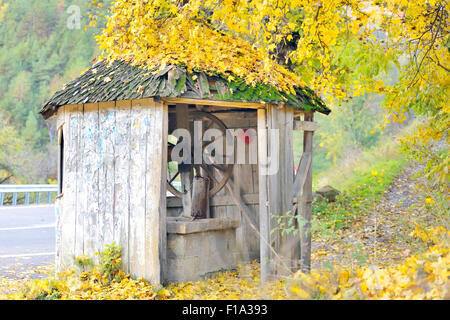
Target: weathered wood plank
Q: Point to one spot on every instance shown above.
(302, 173)
(186, 174)
(163, 191)
(68, 215)
(121, 178)
(255, 176)
(200, 198)
(138, 161)
(90, 175)
(306, 202)
(306, 125)
(216, 201)
(287, 246)
(80, 189)
(275, 121)
(107, 122)
(155, 121)
(232, 116)
(59, 208)
(245, 105)
(264, 218)
(243, 174)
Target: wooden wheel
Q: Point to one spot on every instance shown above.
(218, 174)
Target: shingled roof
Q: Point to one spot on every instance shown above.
(120, 80)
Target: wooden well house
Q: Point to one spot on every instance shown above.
(180, 221)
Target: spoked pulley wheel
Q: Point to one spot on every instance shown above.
(218, 173)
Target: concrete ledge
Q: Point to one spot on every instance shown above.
(201, 248)
(180, 225)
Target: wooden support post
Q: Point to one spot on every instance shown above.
(182, 122)
(275, 121)
(200, 197)
(163, 194)
(288, 241)
(155, 247)
(306, 201)
(264, 223)
(280, 121)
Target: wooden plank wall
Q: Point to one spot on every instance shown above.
(113, 151)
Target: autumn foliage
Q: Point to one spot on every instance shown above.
(340, 49)
(420, 276)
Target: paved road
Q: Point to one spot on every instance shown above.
(27, 238)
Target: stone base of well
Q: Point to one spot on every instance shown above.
(199, 247)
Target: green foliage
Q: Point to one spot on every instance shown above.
(111, 261)
(430, 144)
(38, 54)
(18, 159)
(361, 188)
(354, 125)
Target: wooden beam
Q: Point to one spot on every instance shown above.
(217, 201)
(237, 114)
(264, 218)
(182, 122)
(233, 104)
(306, 125)
(275, 121)
(302, 174)
(200, 197)
(306, 202)
(287, 250)
(163, 192)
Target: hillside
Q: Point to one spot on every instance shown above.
(38, 54)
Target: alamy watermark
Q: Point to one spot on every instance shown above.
(74, 19)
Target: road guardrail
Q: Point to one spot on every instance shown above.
(26, 190)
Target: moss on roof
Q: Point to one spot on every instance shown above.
(120, 80)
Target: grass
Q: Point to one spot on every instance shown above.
(362, 183)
